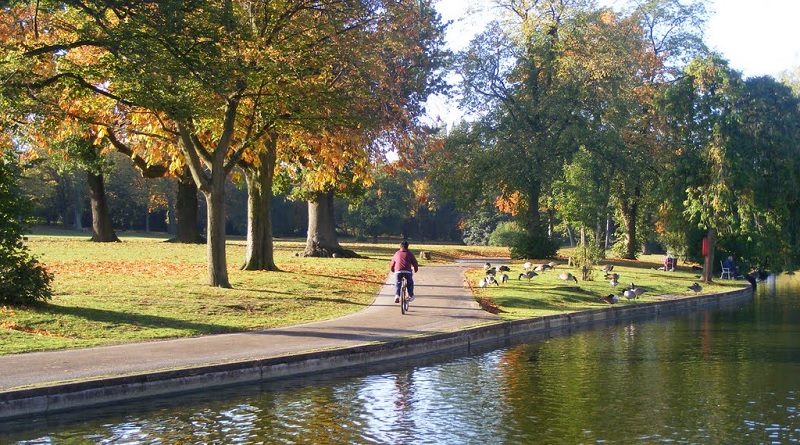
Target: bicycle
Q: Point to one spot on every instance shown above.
(404, 300)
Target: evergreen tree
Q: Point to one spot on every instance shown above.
(23, 280)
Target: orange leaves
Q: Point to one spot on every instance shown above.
(509, 204)
(140, 268)
(12, 326)
(327, 158)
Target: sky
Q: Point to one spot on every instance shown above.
(758, 37)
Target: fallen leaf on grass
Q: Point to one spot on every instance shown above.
(12, 326)
(489, 305)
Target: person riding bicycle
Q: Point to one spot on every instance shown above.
(403, 262)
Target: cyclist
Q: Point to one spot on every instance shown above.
(403, 262)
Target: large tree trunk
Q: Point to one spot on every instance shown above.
(210, 174)
(532, 220)
(628, 212)
(551, 225)
(708, 267)
(186, 213)
(77, 203)
(170, 215)
(102, 232)
(322, 240)
(260, 253)
(215, 233)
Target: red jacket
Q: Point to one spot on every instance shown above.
(403, 260)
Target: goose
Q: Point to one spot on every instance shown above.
(491, 271)
(637, 291)
(527, 265)
(695, 288)
(629, 294)
(540, 268)
(611, 298)
(607, 268)
(503, 277)
(489, 279)
(566, 276)
(504, 268)
(613, 279)
(487, 266)
(552, 265)
(529, 274)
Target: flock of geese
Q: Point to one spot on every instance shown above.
(496, 275)
(529, 272)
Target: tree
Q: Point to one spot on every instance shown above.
(541, 87)
(81, 150)
(648, 48)
(54, 189)
(156, 157)
(770, 124)
(22, 279)
(583, 194)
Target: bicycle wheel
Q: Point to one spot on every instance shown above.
(404, 296)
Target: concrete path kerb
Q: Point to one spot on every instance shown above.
(443, 303)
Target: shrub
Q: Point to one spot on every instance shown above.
(505, 234)
(23, 280)
(533, 246)
(585, 257)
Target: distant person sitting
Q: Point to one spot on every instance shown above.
(729, 266)
(670, 263)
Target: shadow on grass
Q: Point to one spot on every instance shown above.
(148, 321)
(289, 295)
(552, 299)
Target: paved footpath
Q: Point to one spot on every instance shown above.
(443, 303)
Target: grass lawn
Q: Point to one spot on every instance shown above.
(144, 288)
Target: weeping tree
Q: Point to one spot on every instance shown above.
(703, 106)
(737, 145)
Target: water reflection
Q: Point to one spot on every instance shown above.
(728, 376)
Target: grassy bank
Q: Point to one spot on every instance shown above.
(547, 294)
(144, 288)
